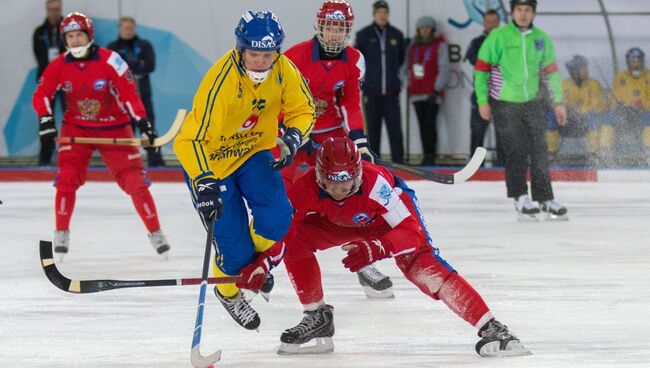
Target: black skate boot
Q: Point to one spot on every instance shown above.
(497, 340)
(527, 210)
(265, 290)
(317, 325)
(239, 310)
(375, 284)
(554, 211)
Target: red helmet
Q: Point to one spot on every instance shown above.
(336, 17)
(77, 22)
(338, 160)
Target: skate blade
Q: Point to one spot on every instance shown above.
(524, 217)
(163, 252)
(514, 348)
(59, 253)
(552, 217)
(378, 294)
(322, 345)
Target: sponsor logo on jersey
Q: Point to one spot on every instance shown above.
(67, 87)
(385, 193)
(249, 123)
(116, 61)
(99, 84)
(266, 42)
(361, 218)
(338, 85)
(337, 15)
(89, 108)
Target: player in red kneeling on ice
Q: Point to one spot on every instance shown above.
(373, 215)
(101, 101)
(333, 70)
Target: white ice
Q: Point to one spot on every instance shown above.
(576, 293)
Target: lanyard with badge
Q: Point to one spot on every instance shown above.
(418, 68)
(52, 49)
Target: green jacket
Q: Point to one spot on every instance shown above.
(510, 63)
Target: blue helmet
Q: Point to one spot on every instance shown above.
(634, 53)
(259, 31)
(577, 62)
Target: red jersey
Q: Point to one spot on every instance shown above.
(99, 90)
(379, 206)
(333, 83)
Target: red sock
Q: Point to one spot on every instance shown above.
(63, 208)
(144, 204)
(305, 277)
(463, 300)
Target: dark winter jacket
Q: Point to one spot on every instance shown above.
(139, 54)
(384, 51)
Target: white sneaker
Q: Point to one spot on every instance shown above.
(159, 243)
(61, 243)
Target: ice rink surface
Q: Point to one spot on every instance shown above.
(576, 293)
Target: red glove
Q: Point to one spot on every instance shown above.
(252, 277)
(365, 252)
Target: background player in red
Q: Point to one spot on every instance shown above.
(333, 71)
(374, 215)
(101, 100)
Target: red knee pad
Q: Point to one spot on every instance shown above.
(132, 181)
(69, 179)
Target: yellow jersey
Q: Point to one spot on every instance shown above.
(233, 118)
(631, 91)
(585, 98)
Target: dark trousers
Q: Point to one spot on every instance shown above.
(479, 127)
(521, 127)
(378, 107)
(47, 148)
(153, 154)
(426, 112)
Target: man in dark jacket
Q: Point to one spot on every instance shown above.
(478, 125)
(383, 48)
(139, 54)
(47, 44)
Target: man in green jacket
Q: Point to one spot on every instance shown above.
(514, 62)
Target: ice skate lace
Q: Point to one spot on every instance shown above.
(372, 274)
(495, 329)
(308, 323)
(243, 311)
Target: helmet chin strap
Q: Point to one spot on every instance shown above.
(258, 77)
(79, 52)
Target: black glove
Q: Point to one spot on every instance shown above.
(359, 138)
(309, 147)
(208, 200)
(288, 143)
(148, 130)
(47, 129)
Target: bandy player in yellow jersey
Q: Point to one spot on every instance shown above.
(224, 147)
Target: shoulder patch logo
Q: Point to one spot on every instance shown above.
(116, 61)
(385, 193)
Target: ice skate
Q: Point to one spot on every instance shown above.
(239, 310)
(554, 211)
(498, 341)
(61, 243)
(527, 210)
(265, 290)
(159, 243)
(317, 327)
(375, 284)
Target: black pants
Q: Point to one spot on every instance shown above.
(378, 107)
(47, 148)
(426, 112)
(521, 127)
(479, 127)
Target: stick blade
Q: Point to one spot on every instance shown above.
(200, 361)
(472, 166)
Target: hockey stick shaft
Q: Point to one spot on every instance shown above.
(93, 286)
(196, 358)
(158, 142)
(439, 177)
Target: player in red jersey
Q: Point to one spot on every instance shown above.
(333, 71)
(374, 215)
(101, 100)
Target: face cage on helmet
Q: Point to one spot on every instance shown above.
(340, 28)
(322, 182)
